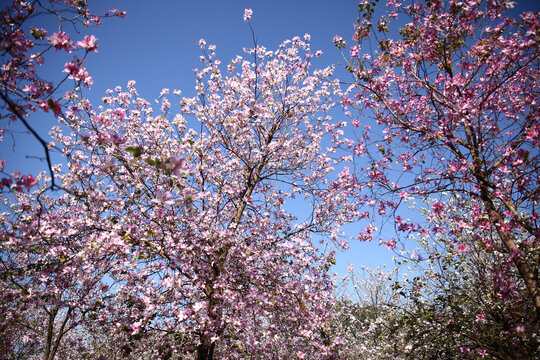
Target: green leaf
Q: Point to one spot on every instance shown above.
(135, 151)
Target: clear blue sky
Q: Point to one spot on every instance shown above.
(156, 45)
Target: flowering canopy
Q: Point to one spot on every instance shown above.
(24, 49)
(189, 233)
(171, 242)
(456, 97)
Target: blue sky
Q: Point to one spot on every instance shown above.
(157, 45)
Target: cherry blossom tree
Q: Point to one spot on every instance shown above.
(465, 301)
(51, 279)
(448, 298)
(186, 243)
(23, 49)
(454, 103)
(211, 253)
(47, 282)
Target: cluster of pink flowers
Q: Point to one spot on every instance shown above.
(78, 73)
(247, 14)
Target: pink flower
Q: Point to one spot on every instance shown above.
(31, 89)
(115, 12)
(96, 19)
(136, 327)
(198, 306)
(483, 353)
(462, 248)
(355, 50)
(78, 73)
(119, 113)
(5, 182)
(28, 181)
(52, 105)
(88, 43)
(247, 14)
(71, 68)
(465, 352)
(480, 318)
(390, 244)
(438, 208)
(177, 166)
(520, 329)
(301, 355)
(163, 200)
(346, 100)
(60, 40)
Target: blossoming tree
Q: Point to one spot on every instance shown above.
(23, 49)
(42, 286)
(452, 301)
(466, 302)
(188, 240)
(455, 99)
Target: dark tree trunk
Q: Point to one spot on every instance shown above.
(205, 351)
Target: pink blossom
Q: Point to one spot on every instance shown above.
(346, 101)
(438, 208)
(88, 43)
(28, 181)
(390, 244)
(355, 50)
(403, 194)
(462, 248)
(5, 182)
(162, 199)
(480, 318)
(96, 19)
(339, 42)
(51, 105)
(78, 73)
(520, 329)
(31, 89)
(115, 12)
(71, 68)
(136, 327)
(120, 113)
(247, 14)
(177, 165)
(198, 306)
(483, 353)
(60, 40)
